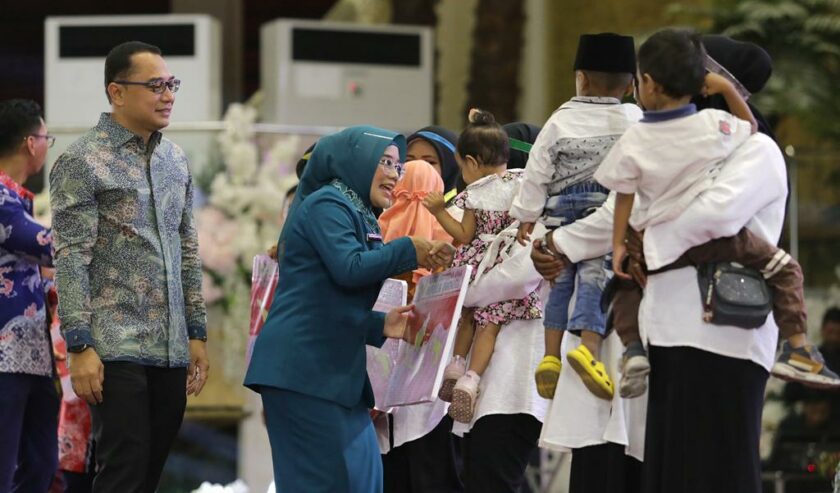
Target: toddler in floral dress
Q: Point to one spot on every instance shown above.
(482, 154)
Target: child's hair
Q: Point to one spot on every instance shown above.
(608, 83)
(674, 59)
(484, 139)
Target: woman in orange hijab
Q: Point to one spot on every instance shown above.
(408, 217)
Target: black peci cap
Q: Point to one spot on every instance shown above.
(606, 52)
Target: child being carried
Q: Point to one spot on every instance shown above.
(482, 154)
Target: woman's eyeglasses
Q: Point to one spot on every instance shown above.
(392, 166)
(157, 86)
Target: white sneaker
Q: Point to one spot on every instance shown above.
(634, 372)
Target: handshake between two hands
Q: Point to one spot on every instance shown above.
(433, 255)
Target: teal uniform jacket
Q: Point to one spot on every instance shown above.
(332, 266)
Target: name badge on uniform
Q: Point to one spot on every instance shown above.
(374, 237)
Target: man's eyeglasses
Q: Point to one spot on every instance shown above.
(50, 139)
(157, 86)
(392, 166)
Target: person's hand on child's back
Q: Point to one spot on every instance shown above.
(523, 236)
(716, 84)
(434, 202)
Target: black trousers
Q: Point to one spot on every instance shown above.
(430, 464)
(28, 440)
(703, 422)
(81, 482)
(496, 452)
(604, 468)
(135, 425)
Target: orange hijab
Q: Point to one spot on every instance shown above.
(407, 216)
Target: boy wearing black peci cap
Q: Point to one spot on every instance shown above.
(558, 189)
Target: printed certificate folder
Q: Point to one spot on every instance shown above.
(381, 360)
(416, 371)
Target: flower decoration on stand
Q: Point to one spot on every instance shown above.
(242, 218)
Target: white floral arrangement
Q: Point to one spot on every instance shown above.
(237, 486)
(242, 218)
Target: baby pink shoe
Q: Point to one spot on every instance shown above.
(464, 395)
(453, 371)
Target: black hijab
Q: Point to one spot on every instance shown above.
(748, 63)
(520, 132)
(444, 142)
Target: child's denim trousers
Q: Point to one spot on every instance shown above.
(586, 278)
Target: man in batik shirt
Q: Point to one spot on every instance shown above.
(128, 272)
(28, 398)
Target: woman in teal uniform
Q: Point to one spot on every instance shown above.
(309, 360)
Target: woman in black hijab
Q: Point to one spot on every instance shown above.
(748, 63)
(522, 136)
(436, 145)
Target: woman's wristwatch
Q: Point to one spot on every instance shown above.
(79, 348)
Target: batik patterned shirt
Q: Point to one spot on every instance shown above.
(568, 150)
(128, 270)
(25, 246)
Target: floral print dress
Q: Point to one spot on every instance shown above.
(490, 199)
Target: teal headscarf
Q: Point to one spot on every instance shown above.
(346, 160)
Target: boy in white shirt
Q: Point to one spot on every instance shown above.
(668, 160)
(558, 189)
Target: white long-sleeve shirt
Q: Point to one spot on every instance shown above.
(750, 191)
(577, 418)
(569, 148)
(668, 162)
(507, 386)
